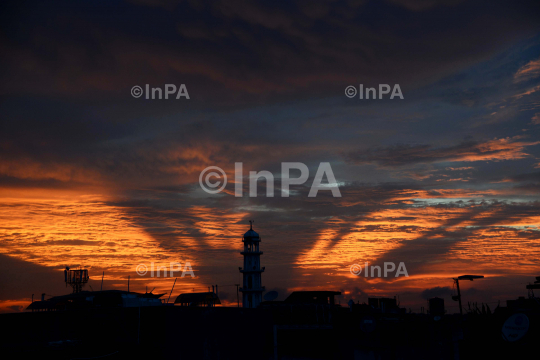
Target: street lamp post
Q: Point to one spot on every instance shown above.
(456, 280)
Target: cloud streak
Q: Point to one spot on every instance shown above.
(466, 151)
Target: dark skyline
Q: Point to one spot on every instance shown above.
(445, 180)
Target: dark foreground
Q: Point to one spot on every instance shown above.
(279, 332)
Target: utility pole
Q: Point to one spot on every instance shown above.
(459, 296)
(172, 290)
(237, 297)
(456, 280)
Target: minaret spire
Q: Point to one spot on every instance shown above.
(252, 288)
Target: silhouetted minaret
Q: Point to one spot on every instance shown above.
(252, 288)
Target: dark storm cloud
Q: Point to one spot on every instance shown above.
(69, 117)
(239, 50)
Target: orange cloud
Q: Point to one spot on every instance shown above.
(528, 71)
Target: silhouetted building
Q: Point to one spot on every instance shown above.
(204, 299)
(252, 288)
(312, 297)
(386, 305)
(436, 306)
(97, 299)
(522, 303)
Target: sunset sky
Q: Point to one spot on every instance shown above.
(446, 180)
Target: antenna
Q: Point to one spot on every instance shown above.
(171, 290)
(76, 278)
(531, 287)
(102, 276)
(251, 224)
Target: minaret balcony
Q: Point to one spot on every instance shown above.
(251, 271)
(251, 252)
